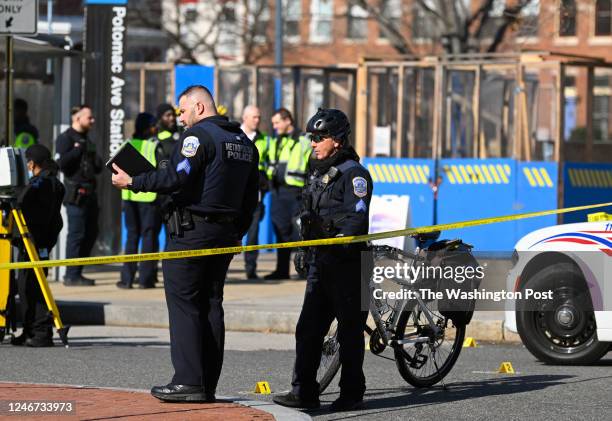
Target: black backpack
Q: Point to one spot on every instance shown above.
(449, 255)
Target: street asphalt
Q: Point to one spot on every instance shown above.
(138, 358)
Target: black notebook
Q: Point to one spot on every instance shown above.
(129, 160)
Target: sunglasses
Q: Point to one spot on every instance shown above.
(317, 138)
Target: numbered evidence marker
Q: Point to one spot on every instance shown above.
(469, 343)
(262, 388)
(506, 368)
(18, 17)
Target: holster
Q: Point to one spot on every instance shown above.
(77, 193)
(313, 227)
(178, 220)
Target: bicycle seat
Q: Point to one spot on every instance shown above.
(426, 236)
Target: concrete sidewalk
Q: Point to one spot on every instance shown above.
(259, 306)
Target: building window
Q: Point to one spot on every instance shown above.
(424, 24)
(292, 11)
(567, 18)
(228, 41)
(258, 17)
(357, 23)
(191, 15)
(529, 19)
(603, 17)
(495, 19)
(321, 18)
(392, 10)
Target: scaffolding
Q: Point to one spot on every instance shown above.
(540, 106)
(530, 106)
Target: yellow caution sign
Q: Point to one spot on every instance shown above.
(599, 217)
(506, 368)
(589, 178)
(104, 260)
(469, 343)
(478, 173)
(262, 388)
(399, 173)
(537, 177)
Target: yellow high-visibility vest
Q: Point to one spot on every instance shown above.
(147, 149)
(294, 153)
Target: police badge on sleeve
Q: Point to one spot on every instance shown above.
(360, 186)
(190, 146)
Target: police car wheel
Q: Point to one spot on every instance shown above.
(1, 335)
(561, 330)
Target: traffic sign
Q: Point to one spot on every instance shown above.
(18, 17)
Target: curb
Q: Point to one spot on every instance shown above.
(280, 413)
(152, 314)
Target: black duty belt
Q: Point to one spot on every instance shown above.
(214, 218)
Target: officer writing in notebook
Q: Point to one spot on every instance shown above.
(212, 177)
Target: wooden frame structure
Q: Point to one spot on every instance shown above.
(418, 99)
(521, 112)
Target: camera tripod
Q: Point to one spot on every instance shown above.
(11, 216)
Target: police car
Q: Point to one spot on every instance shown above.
(574, 261)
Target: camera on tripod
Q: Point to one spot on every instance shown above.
(13, 172)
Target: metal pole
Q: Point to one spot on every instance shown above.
(8, 138)
(49, 31)
(278, 54)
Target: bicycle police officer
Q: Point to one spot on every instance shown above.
(336, 203)
(213, 178)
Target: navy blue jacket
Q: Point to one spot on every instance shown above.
(213, 170)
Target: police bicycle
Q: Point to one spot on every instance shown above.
(426, 342)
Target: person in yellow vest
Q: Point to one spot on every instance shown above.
(26, 134)
(288, 165)
(142, 216)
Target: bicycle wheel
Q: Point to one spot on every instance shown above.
(330, 358)
(425, 364)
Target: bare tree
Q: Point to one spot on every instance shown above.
(223, 29)
(454, 26)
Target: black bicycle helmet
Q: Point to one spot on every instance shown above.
(330, 122)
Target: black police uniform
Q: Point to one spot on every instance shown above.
(41, 203)
(212, 176)
(336, 203)
(80, 164)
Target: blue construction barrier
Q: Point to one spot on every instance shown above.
(586, 184)
(409, 177)
(193, 74)
(472, 189)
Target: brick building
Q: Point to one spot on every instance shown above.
(327, 32)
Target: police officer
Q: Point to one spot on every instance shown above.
(336, 203)
(80, 163)
(251, 117)
(212, 176)
(142, 217)
(288, 164)
(25, 133)
(41, 203)
(167, 130)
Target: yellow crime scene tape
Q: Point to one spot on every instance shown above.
(103, 260)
